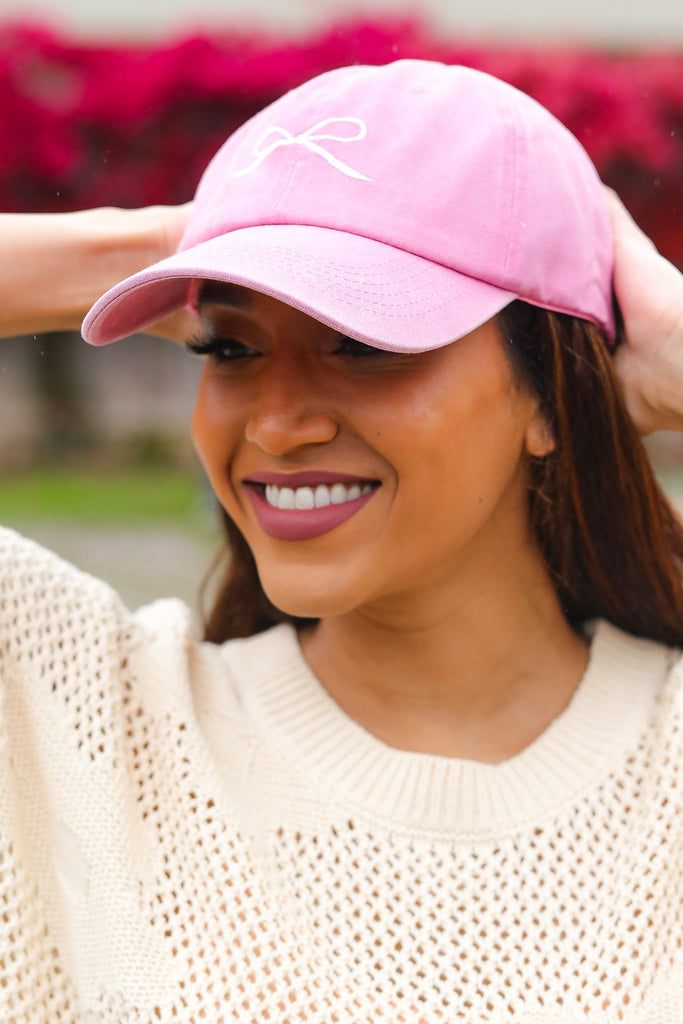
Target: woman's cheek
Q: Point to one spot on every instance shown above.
(213, 425)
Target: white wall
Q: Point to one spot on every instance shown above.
(617, 22)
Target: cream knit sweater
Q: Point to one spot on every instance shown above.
(198, 833)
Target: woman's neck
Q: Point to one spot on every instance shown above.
(476, 673)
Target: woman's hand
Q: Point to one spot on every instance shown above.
(54, 266)
(649, 291)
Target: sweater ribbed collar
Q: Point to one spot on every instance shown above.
(592, 736)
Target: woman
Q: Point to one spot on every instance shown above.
(436, 792)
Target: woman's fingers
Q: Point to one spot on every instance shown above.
(172, 221)
(649, 291)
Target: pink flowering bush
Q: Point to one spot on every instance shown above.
(85, 125)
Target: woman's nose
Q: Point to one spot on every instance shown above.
(289, 411)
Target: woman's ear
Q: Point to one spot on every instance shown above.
(539, 440)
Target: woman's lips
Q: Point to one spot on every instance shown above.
(306, 523)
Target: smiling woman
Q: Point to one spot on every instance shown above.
(291, 398)
(424, 766)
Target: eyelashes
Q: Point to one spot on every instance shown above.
(229, 349)
(358, 349)
(199, 345)
(221, 349)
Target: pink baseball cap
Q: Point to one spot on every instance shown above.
(403, 205)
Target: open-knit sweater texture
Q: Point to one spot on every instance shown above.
(198, 833)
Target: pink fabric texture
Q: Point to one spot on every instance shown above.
(403, 205)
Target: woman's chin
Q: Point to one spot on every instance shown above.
(315, 601)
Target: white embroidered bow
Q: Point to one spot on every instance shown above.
(311, 140)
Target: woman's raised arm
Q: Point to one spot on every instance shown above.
(649, 290)
(54, 266)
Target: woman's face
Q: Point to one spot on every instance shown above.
(360, 477)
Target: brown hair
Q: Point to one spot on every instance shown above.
(611, 541)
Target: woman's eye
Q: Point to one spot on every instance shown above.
(222, 350)
(357, 349)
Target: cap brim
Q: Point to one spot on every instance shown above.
(372, 291)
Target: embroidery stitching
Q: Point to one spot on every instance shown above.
(311, 140)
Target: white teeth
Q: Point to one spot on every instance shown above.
(304, 498)
(338, 494)
(322, 496)
(285, 499)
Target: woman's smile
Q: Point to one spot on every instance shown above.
(355, 473)
(305, 498)
(302, 506)
(304, 514)
(307, 490)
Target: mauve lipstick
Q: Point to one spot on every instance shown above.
(302, 524)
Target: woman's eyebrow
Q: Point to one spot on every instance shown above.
(220, 293)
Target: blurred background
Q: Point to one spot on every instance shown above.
(123, 104)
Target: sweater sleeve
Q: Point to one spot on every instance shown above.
(66, 649)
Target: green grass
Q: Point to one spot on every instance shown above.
(118, 497)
